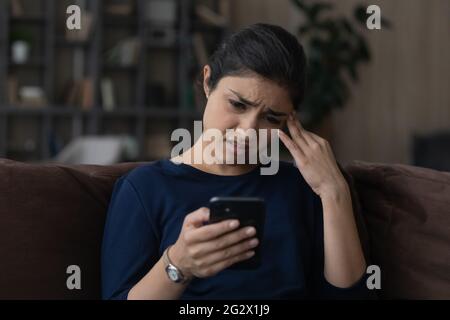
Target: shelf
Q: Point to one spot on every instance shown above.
(56, 51)
(157, 112)
(202, 27)
(35, 63)
(162, 112)
(62, 42)
(28, 19)
(119, 21)
(119, 68)
(12, 110)
(154, 46)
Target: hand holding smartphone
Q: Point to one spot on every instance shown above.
(249, 211)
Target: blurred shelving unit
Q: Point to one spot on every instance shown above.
(130, 70)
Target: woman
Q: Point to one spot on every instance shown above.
(158, 212)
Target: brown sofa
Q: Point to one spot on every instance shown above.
(52, 216)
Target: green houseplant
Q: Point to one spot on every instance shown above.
(335, 48)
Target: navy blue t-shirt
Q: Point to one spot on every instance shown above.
(147, 210)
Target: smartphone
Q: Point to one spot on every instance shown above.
(249, 211)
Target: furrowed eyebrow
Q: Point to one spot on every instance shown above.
(251, 103)
(243, 100)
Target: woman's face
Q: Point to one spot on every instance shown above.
(245, 102)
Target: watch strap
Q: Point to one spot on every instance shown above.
(168, 262)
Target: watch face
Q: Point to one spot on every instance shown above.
(172, 273)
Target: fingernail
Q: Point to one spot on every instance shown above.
(234, 223)
(254, 242)
(250, 231)
(250, 253)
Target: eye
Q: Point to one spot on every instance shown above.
(273, 120)
(238, 105)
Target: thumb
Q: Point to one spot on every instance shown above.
(197, 218)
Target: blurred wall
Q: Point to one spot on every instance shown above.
(405, 90)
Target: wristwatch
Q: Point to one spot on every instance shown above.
(173, 272)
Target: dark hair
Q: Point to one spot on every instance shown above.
(267, 50)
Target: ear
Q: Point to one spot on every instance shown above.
(206, 75)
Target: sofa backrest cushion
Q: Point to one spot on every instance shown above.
(407, 212)
(51, 217)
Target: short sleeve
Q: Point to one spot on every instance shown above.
(321, 288)
(130, 242)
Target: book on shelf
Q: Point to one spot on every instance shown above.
(12, 90)
(107, 94)
(80, 93)
(87, 94)
(119, 8)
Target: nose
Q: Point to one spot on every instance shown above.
(247, 130)
(249, 121)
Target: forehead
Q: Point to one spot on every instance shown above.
(257, 89)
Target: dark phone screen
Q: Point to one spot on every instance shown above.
(249, 212)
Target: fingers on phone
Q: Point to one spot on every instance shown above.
(230, 252)
(228, 240)
(214, 230)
